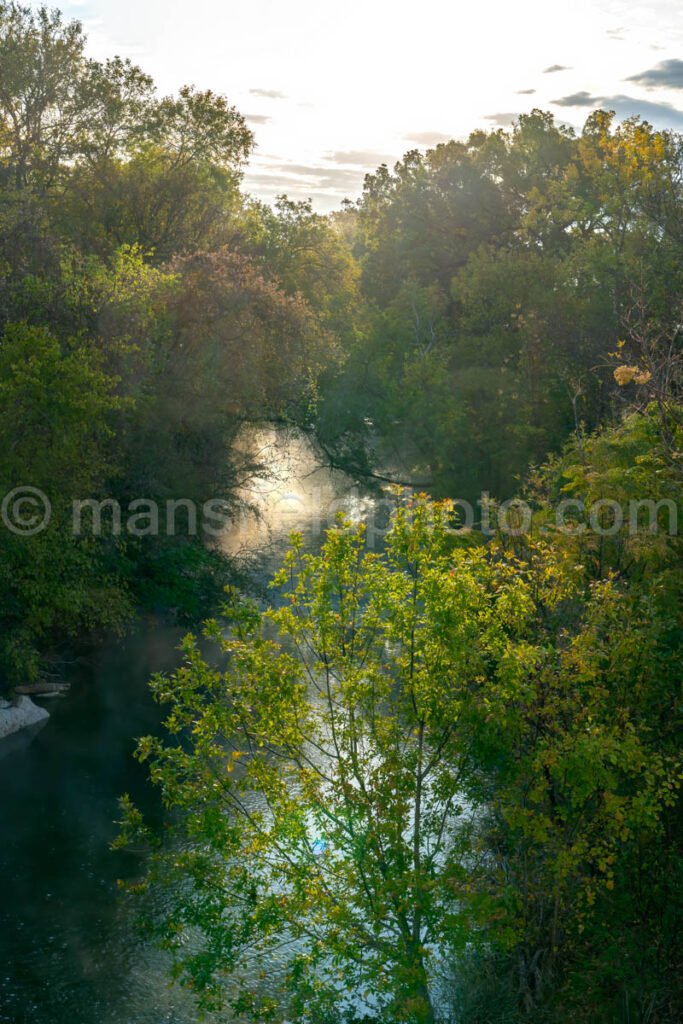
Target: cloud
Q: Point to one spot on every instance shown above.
(308, 175)
(554, 68)
(525, 92)
(277, 181)
(269, 94)
(256, 118)
(326, 185)
(326, 177)
(307, 170)
(578, 99)
(503, 119)
(427, 138)
(343, 180)
(663, 115)
(668, 74)
(360, 157)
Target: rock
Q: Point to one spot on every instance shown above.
(21, 715)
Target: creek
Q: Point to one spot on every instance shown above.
(69, 950)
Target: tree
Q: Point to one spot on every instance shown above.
(55, 435)
(318, 790)
(89, 146)
(169, 186)
(607, 738)
(42, 64)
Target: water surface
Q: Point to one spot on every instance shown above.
(69, 953)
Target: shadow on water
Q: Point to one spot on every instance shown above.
(68, 949)
(62, 952)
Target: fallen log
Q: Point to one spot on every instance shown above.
(42, 689)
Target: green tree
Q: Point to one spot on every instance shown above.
(500, 274)
(319, 798)
(171, 186)
(87, 147)
(55, 435)
(41, 112)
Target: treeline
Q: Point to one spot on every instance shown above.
(148, 310)
(500, 274)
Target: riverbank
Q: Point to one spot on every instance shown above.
(18, 715)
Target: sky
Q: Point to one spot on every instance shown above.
(333, 89)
